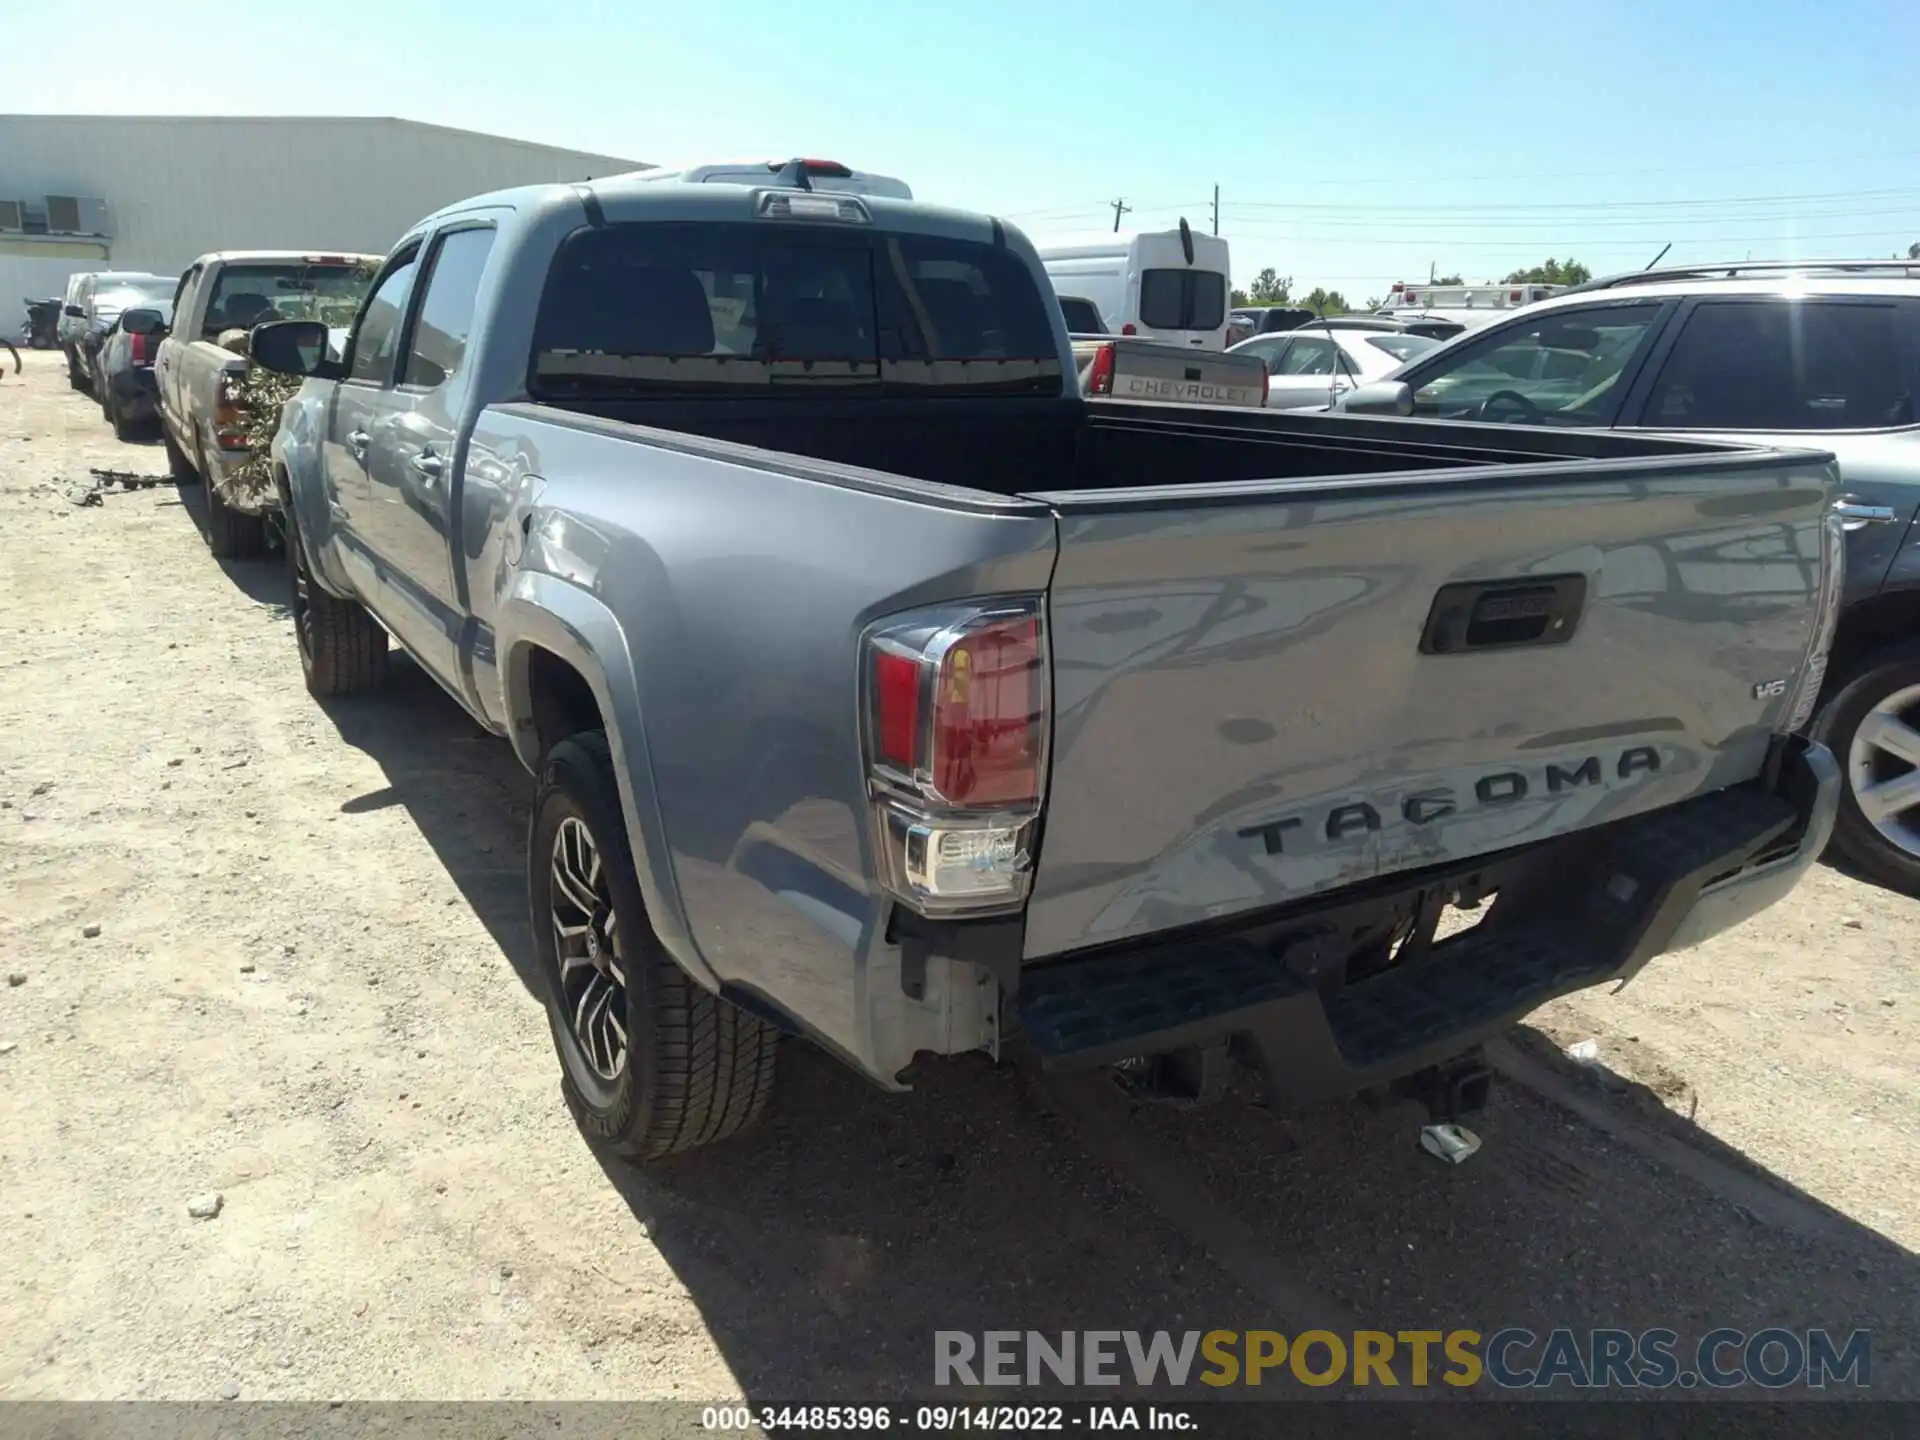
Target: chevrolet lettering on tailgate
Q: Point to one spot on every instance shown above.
(1140, 370)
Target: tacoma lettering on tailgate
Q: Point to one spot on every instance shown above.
(1423, 807)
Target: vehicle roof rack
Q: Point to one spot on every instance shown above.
(1746, 268)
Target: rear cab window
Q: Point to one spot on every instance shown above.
(720, 308)
(110, 300)
(1790, 365)
(1082, 316)
(245, 295)
(1183, 299)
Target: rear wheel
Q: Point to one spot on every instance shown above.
(651, 1063)
(1872, 725)
(75, 377)
(233, 534)
(343, 649)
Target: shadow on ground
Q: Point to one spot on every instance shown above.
(827, 1248)
(263, 581)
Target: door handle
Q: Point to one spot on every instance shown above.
(1853, 515)
(357, 443)
(426, 465)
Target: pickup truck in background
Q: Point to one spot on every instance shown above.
(884, 691)
(198, 376)
(1121, 369)
(1111, 368)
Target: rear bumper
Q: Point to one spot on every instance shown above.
(1645, 886)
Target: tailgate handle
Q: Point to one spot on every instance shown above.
(1504, 614)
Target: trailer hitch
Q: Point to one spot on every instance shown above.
(1449, 1091)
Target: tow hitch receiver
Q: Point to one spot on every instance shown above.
(1182, 1079)
(1451, 1090)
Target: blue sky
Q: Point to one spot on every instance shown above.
(1353, 144)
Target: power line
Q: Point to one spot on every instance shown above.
(1704, 168)
(1822, 197)
(1564, 241)
(1786, 224)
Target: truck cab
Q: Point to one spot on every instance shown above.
(198, 375)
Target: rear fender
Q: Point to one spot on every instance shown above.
(543, 612)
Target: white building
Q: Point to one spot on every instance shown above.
(127, 192)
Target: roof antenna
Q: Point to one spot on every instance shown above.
(1661, 256)
(1186, 240)
(793, 176)
(1337, 359)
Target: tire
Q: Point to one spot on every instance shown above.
(178, 465)
(233, 534)
(123, 428)
(696, 1068)
(1883, 687)
(343, 649)
(74, 377)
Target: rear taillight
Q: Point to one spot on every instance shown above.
(956, 718)
(228, 429)
(1826, 620)
(139, 349)
(1100, 373)
(1266, 386)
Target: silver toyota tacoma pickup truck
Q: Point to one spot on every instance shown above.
(883, 691)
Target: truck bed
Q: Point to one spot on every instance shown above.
(1253, 702)
(1011, 447)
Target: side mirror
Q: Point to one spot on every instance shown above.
(74, 312)
(294, 347)
(1382, 397)
(143, 322)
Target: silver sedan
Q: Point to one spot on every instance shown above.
(1310, 367)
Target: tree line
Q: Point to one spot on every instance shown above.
(1272, 288)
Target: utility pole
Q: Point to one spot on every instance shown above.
(1432, 270)
(1216, 209)
(1120, 207)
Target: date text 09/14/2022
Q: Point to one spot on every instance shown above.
(944, 1419)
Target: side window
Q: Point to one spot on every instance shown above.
(1310, 355)
(1268, 350)
(1564, 367)
(377, 335)
(1789, 365)
(446, 312)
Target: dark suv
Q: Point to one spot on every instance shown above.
(1825, 355)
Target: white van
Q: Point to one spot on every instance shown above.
(1165, 285)
(821, 175)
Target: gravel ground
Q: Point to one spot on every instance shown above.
(276, 953)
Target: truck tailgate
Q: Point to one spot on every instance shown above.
(1264, 691)
(1140, 370)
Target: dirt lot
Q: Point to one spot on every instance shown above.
(277, 951)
